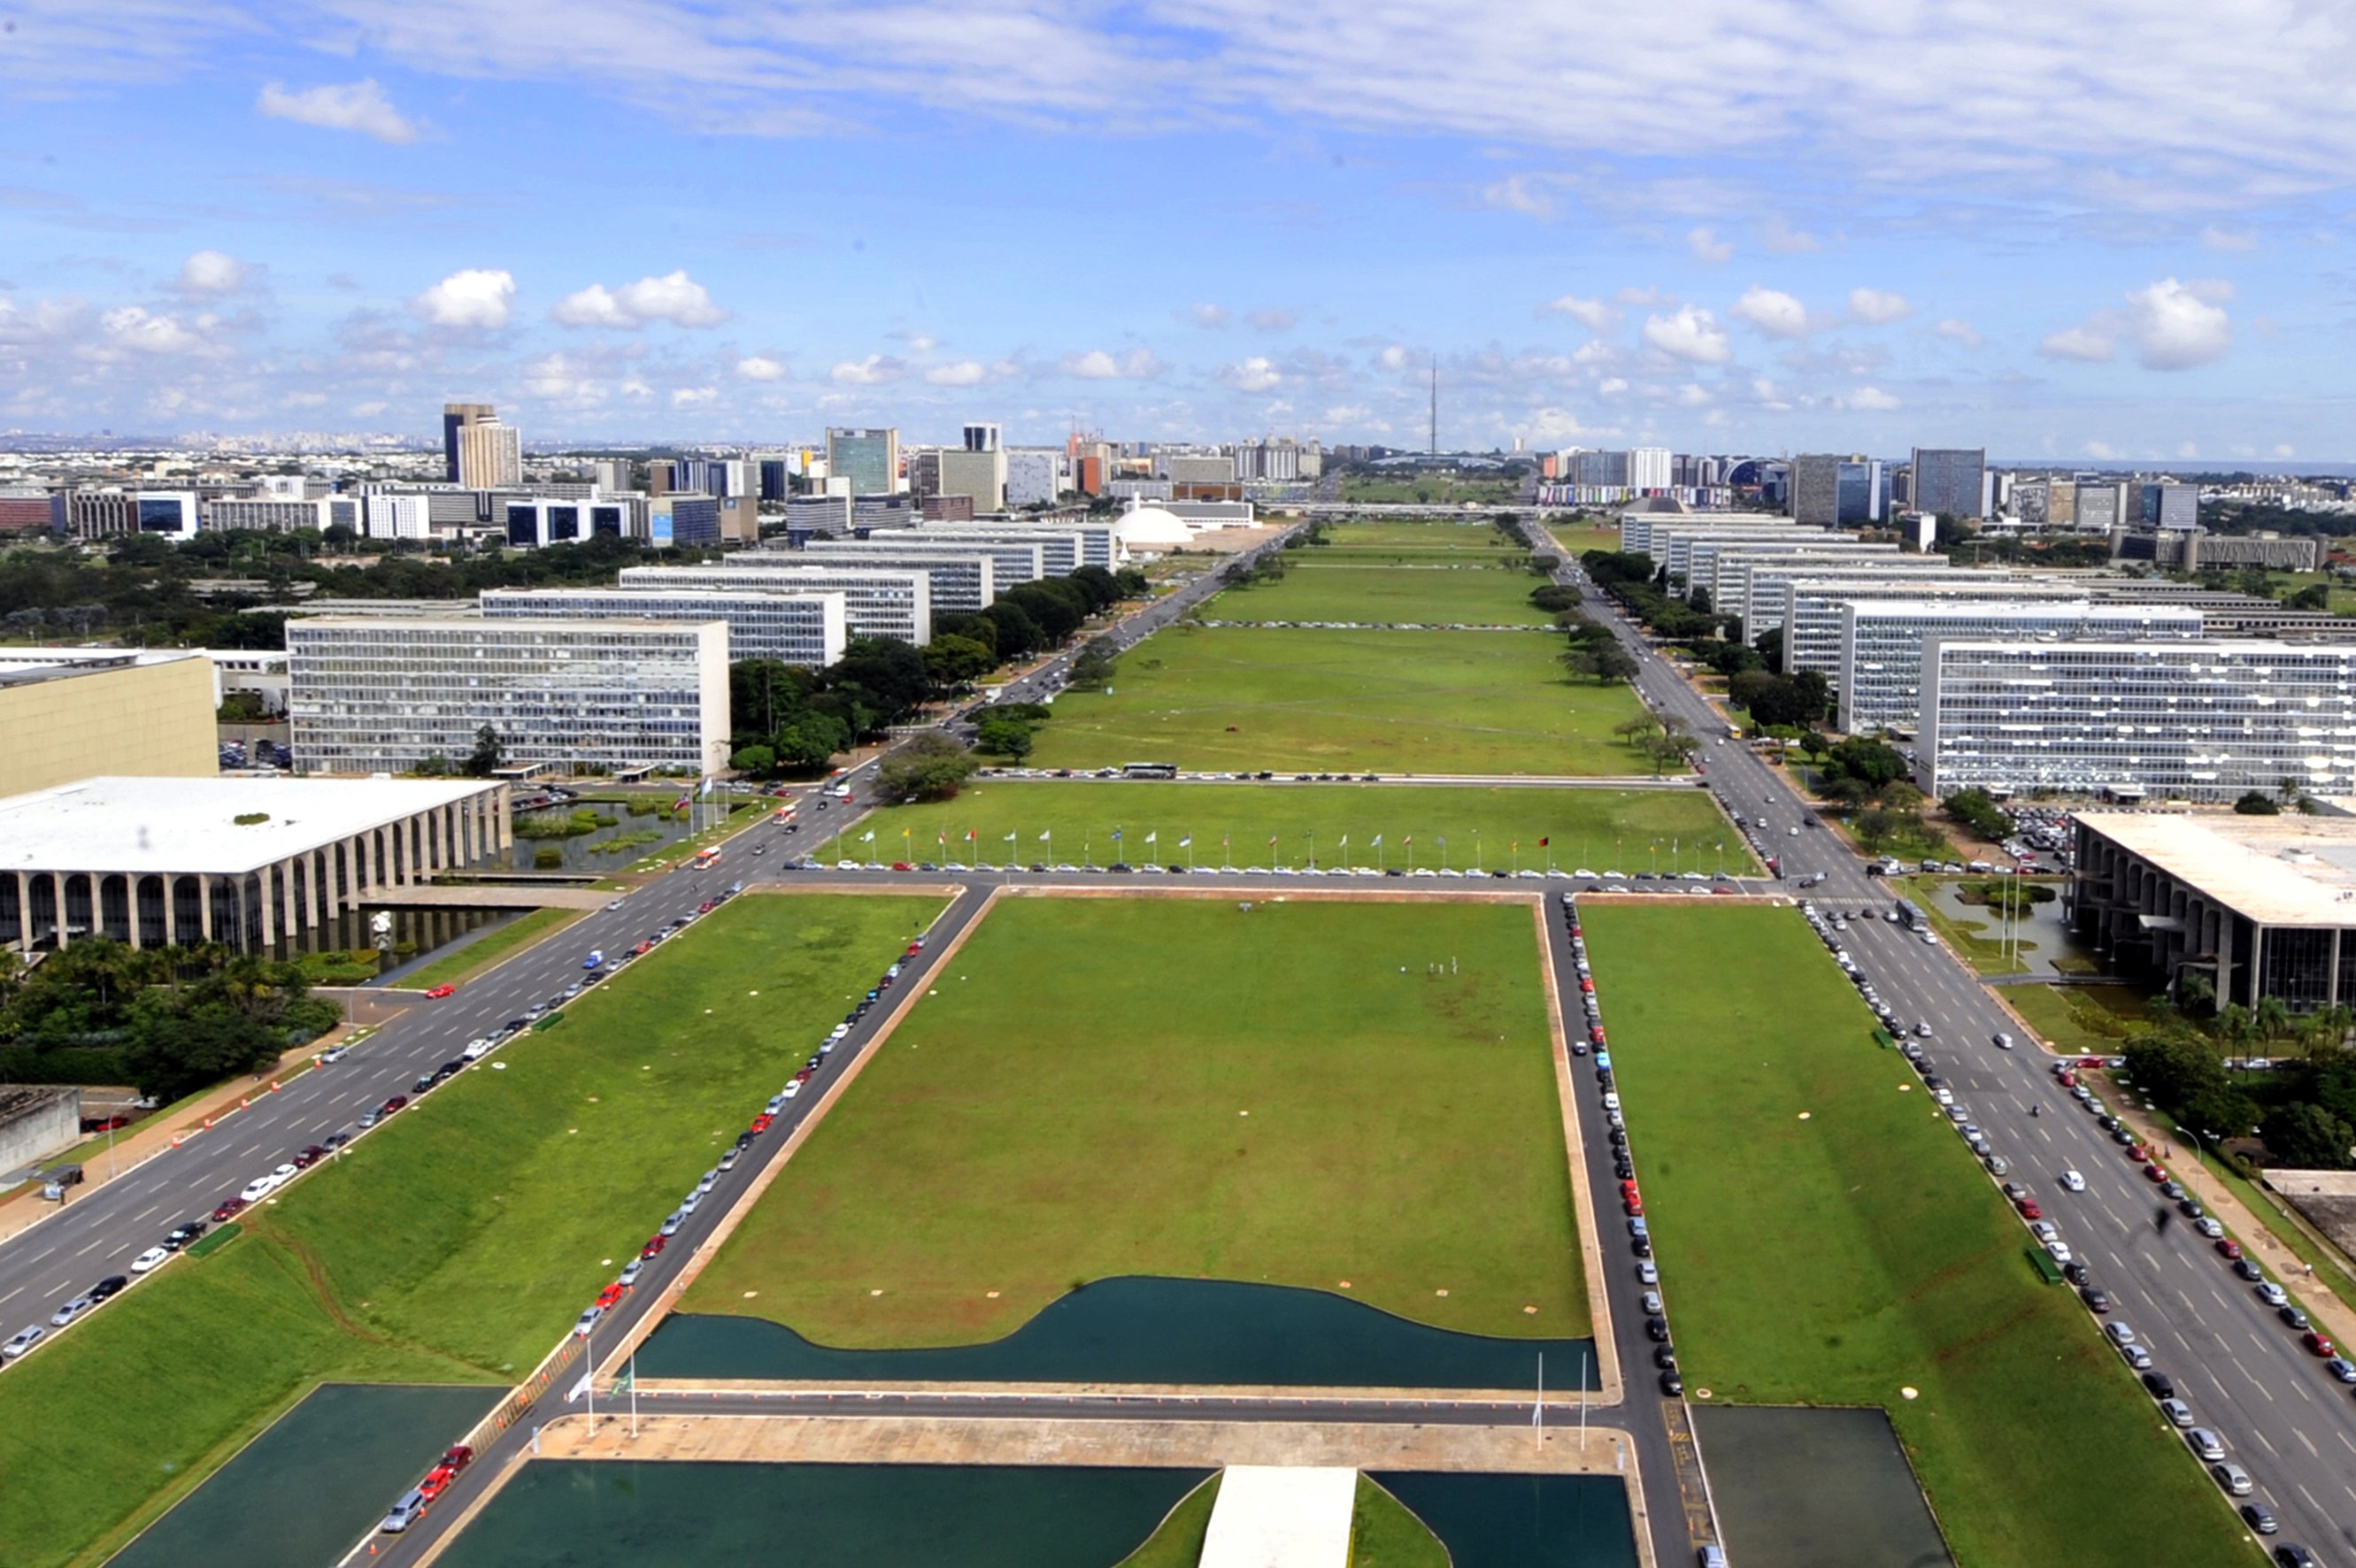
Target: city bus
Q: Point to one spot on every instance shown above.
(1912, 918)
(707, 859)
(1148, 770)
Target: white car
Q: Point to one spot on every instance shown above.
(259, 1188)
(478, 1048)
(1611, 1102)
(2073, 1182)
(791, 1090)
(2272, 1294)
(587, 1320)
(149, 1259)
(24, 1340)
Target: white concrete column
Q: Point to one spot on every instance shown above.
(58, 905)
(25, 912)
(131, 907)
(205, 908)
(267, 877)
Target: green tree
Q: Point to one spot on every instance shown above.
(2174, 1066)
(1006, 735)
(953, 661)
(487, 756)
(930, 767)
(759, 761)
(2258, 802)
(2305, 1136)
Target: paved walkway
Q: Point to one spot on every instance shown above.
(1282, 1516)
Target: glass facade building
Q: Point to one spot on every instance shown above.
(382, 694)
(1950, 481)
(870, 459)
(807, 629)
(1882, 644)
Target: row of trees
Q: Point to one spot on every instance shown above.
(2304, 1113)
(169, 1019)
(1664, 739)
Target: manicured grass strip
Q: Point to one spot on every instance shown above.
(2082, 1021)
(488, 949)
(1302, 1095)
(1426, 702)
(1370, 588)
(1846, 1257)
(1178, 1543)
(453, 1245)
(1598, 829)
(1385, 1534)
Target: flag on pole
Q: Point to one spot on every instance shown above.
(1115, 834)
(1443, 841)
(942, 839)
(970, 837)
(1154, 837)
(708, 783)
(1379, 840)
(868, 837)
(1010, 838)
(1045, 837)
(1271, 840)
(1516, 845)
(1346, 841)
(1408, 840)
(1544, 842)
(1223, 840)
(682, 803)
(1187, 842)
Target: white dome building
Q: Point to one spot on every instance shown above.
(1151, 529)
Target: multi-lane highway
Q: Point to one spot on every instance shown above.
(2245, 1374)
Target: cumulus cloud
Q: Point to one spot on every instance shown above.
(1773, 311)
(1271, 320)
(2179, 325)
(1957, 330)
(674, 297)
(1871, 400)
(211, 272)
(1593, 315)
(1707, 247)
(359, 106)
(1209, 315)
(1878, 307)
(693, 397)
(875, 370)
(477, 299)
(146, 332)
(1520, 192)
(761, 368)
(964, 373)
(1256, 374)
(1393, 357)
(1100, 365)
(1692, 335)
(1645, 298)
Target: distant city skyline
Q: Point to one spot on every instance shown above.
(2076, 242)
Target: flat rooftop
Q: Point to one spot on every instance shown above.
(190, 826)
(2278, 870)
(23, 667)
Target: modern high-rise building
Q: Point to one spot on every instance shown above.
(980, 473)
(870, 459)
(384, 694)
(808, 629)
(1035, 476)
(1650, 468)
(614, 474)
(2207, 720)
(1882, 643)
(878, 601)
(1950, 481)
(490, 455)
(981, 438)
(1830, 491)
(455, 419)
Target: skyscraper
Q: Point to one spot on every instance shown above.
(870, 459)
(490, 455)
(1948, 481)
(455, 417)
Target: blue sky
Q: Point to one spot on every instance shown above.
(2117, 234)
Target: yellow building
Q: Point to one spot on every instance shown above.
(74, 713)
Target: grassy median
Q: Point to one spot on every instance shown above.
(1425, 702)
(500, 941)
(1365, 587)
(1823, 1238)
(1302, 1095)
(455, 1245)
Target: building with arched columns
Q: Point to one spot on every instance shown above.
(251, 862)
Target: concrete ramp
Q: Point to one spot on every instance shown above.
(1282, 1516)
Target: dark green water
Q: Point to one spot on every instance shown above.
(615, 1514)
(305, 1489)
(1146, 1330)
(1815, 1489)
(1522, 1521)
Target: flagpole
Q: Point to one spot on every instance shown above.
(1312, 848)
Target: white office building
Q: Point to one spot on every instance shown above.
(1012, 564)
(2205, 719)
(1060, 554)
(383, 695)
(407, 517)
(1035, 476)
(808, 629)
(878, 601)
(1703, 568)
(283, 515)
(1881, 683)
(964, 581)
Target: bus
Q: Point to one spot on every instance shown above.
(1148, 770)
(707, 859)
(1913, 918)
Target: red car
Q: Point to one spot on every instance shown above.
(230, 1209)
(2138, 1153)
(706, 907)
(764, 1122)
(2320, 1344)
(901, 866)
(1586, 985)
(397, 1103)
(438, 992)
(2155, 1172)
(643, 948)
(610, 1295)
(2090, 1061)
(459, 1457)
(914, 948)
(2227, 1248)
(803, 1076)
(2029, 1210)
(1595, 1033)
(310, 1157)
(437, 1480)
(1630, 1204)
(2068, 1079)
(654, 1244)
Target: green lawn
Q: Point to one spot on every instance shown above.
(1101, 1087)
(1586, 826)
(2079, 1020)
(1433, 490)
(464, 963)
(1400, 590)
(454, 1246)
(1846, 1257)
(1385, 1534)
(1426, 702)
(1577, 538)
(1178, 1543)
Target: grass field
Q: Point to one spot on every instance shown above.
(1476, 538)
(1433, 490)
(1178, 1543)
(1104, 1087)
(1843, 1258)
(1577, 538)
(1402, 590)
(455, 1245)
(2080, 1020)
(1587, 826)
(1385, 1534)
(464, 963)
(1426, 702)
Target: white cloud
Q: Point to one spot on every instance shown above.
(1878, 307)
(1693, 395)
(1782, 239)
(1611, 386)
(1692, 335)
(2283, 449)
(1773, 311)
(964, 373)
(1956, 329)
(1256, 374)
(1593, 315)
(211, 272)
(1210, 314)
(693, 397)
(1520, 192)
(674, 297)
(2088, 345)
(875, 370)
(1393, 357)
(1271, 320)
(2179, 325)
(141, 331)
(761, 368)
(478, 299)
(2218, 238)
(347, 106)
(2102, 450)
(1098, 364)
(1872, 399)
(1707, 247)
